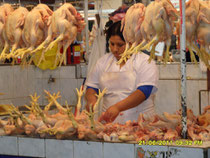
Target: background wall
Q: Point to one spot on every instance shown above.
(18, 84)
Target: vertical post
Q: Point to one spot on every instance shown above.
(86, 26)
(183, 68)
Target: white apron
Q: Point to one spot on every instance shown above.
(119, 86)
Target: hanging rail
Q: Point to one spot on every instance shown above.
(183, 68)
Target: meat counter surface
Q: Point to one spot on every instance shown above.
(52, 148)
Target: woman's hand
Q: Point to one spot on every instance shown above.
(110, 115)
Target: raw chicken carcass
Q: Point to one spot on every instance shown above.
(13, 31)
(66, 22)
(35, 28)
(191, 24)
(203, 33)
(5, 10)
(131, 25)
(157, 26)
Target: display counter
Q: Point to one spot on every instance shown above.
(52, 148)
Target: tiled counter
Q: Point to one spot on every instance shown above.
(51, 148)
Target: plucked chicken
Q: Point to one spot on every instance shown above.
(5, 10)
(157, 26)
(65, 24)
(13, 31)
(131, 25)
(35, 28)
(203, 33)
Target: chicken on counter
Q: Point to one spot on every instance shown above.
(13, 31)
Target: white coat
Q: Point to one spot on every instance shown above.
(121, 82)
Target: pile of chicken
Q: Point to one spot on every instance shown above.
(145, 27)
(64, 124)
(29, 32)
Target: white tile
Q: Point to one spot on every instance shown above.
(67, 72)
(169, 71)
(166, 96)
(83, 71)
(68, 91)
(178, 94)
(202, 85)
(179, 152)
(59, 148)
(5, 101)
(31, 82)
(204, 99)
(20, 82)
(21, 101)
(193, 95)
(6, 82)
(52, 87)
(54, 73)
(89, 149)
(31, 147)
(150, 151)
(8, 145)
(118, 150)
(38, 72)
(79, 82)
(39, 90)
(193, 71)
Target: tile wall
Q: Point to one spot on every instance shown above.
(18, 84)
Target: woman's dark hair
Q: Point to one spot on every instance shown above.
(112, 29)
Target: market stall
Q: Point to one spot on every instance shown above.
(59, 126)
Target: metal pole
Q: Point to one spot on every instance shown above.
(86, 26)
(183, 68)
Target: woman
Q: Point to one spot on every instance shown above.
(130, 85)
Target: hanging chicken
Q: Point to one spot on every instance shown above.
(203, 33)
(5, 10)
(12, 32)
(157, 26)
(131, 25)
(191, 24)
(35, 28)
(66, 22)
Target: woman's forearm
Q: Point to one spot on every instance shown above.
(131, 101)
(90, 96)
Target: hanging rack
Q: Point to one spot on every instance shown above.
(183, 69)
